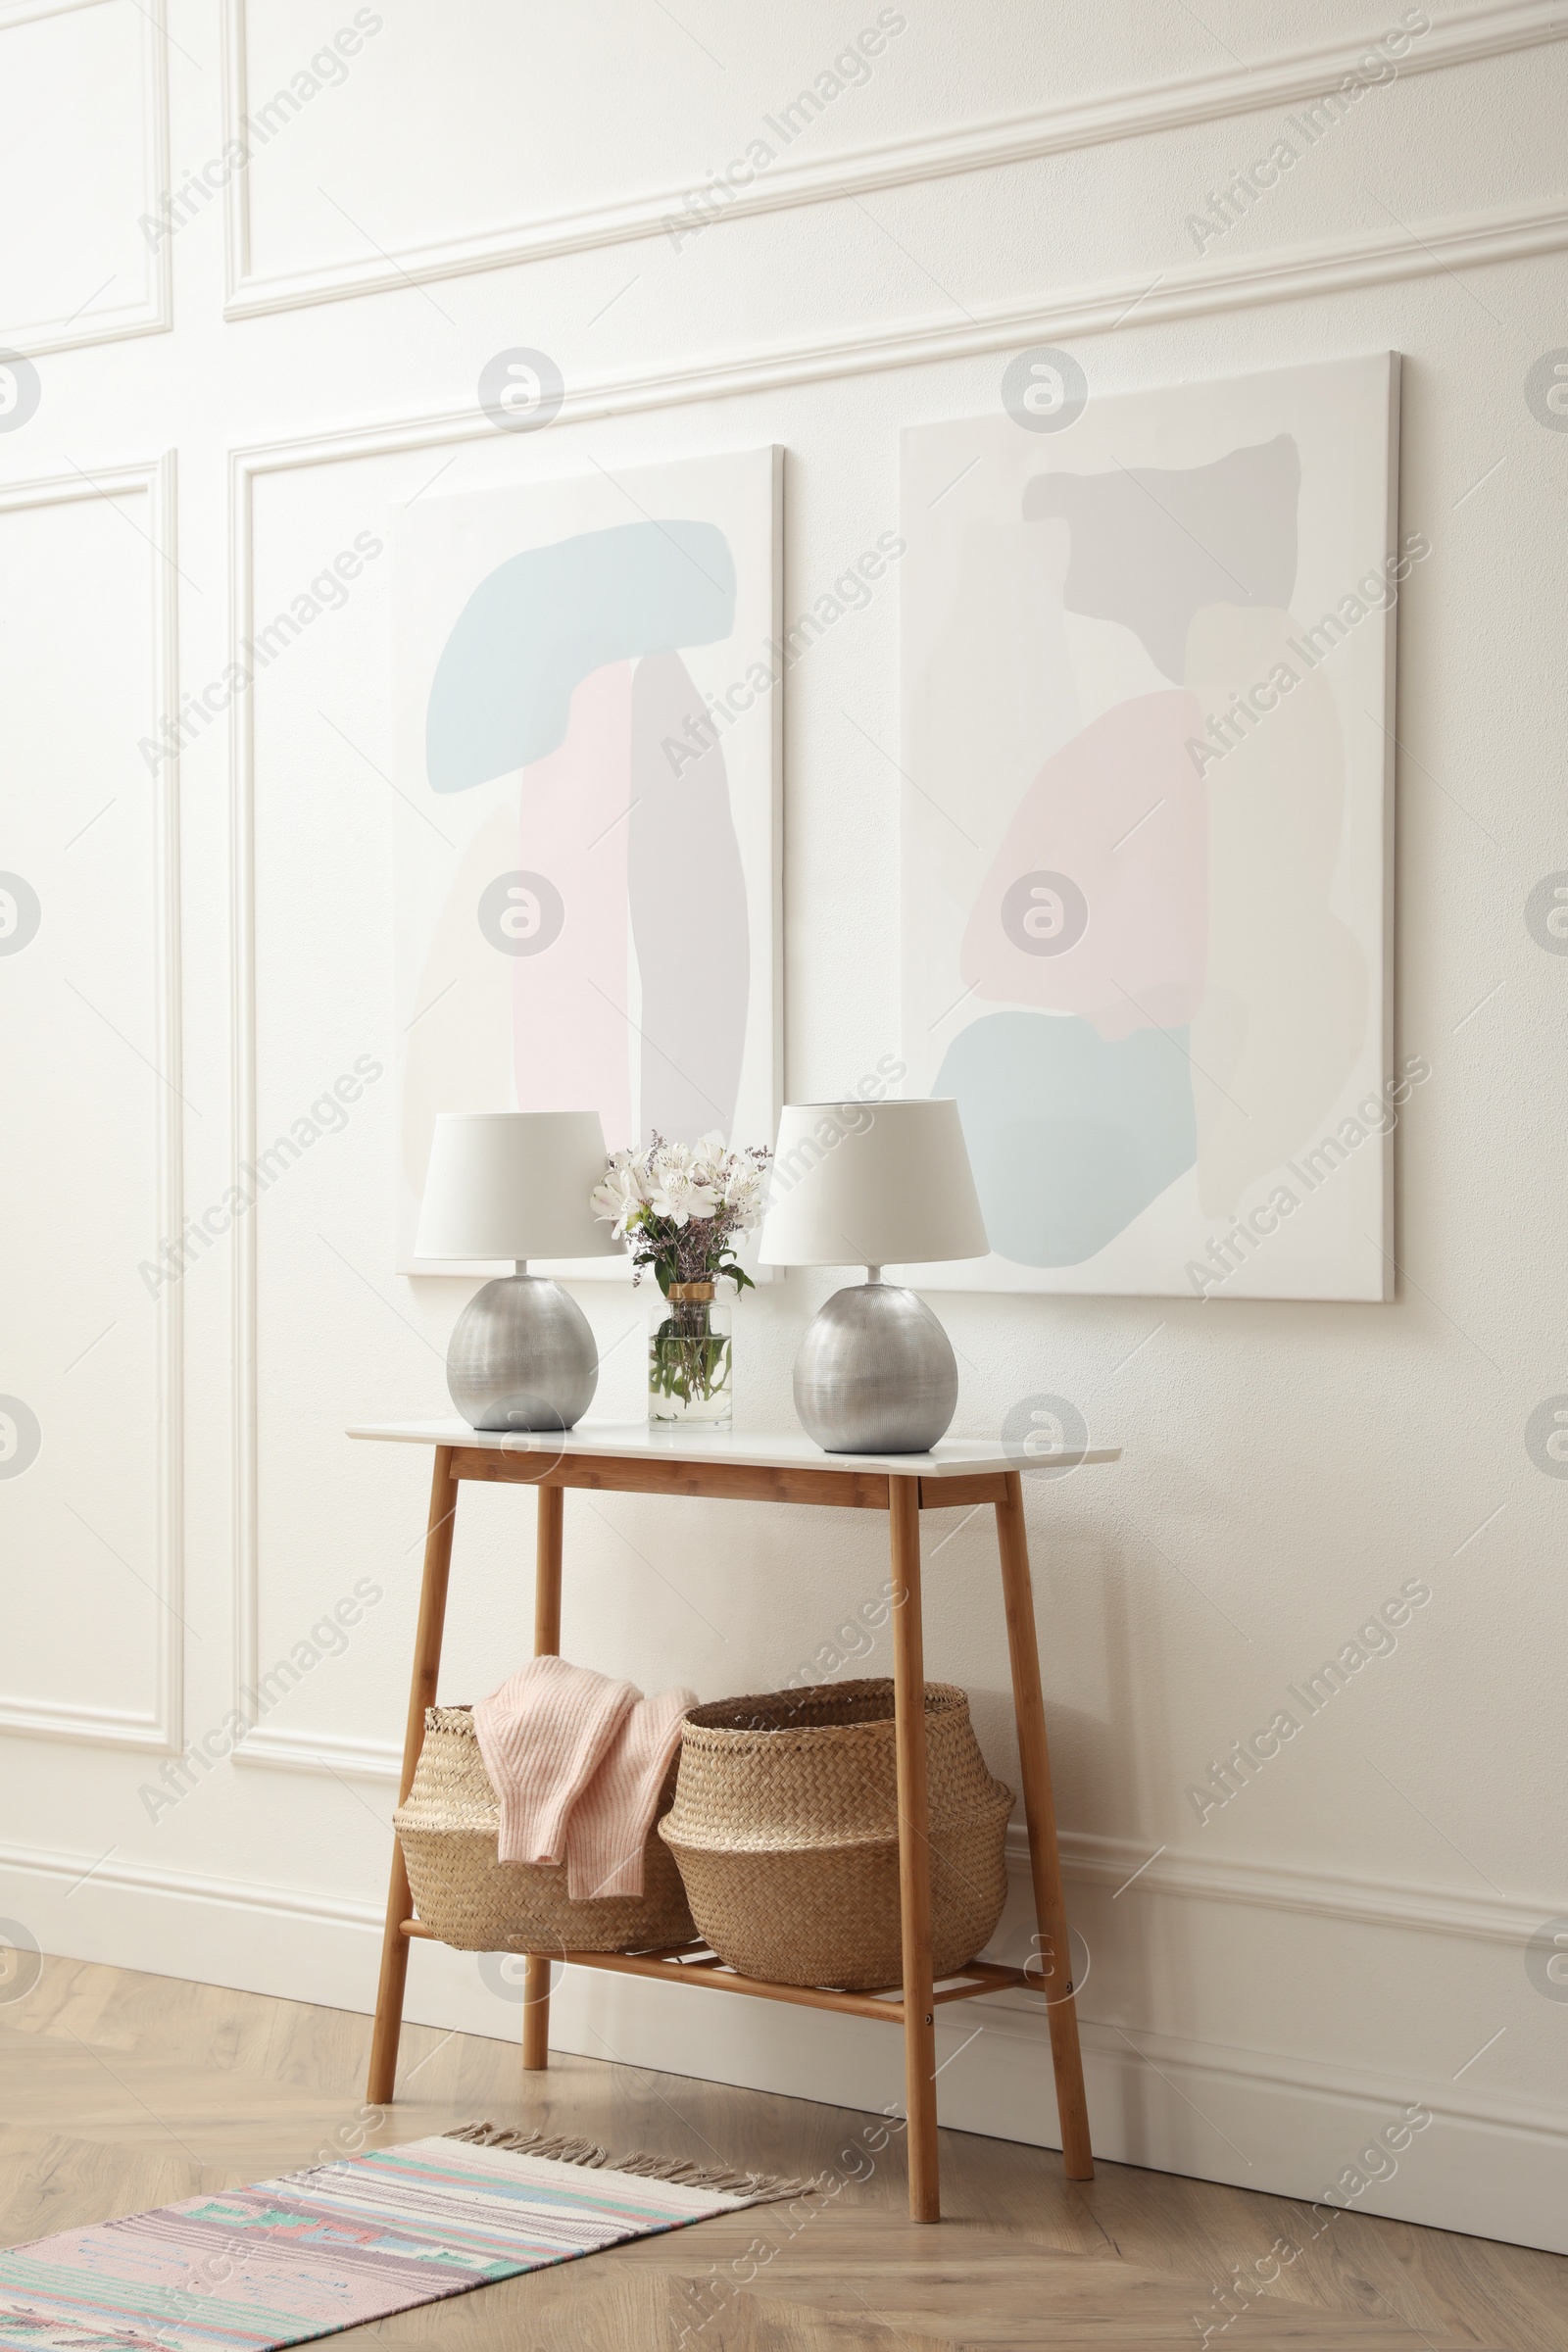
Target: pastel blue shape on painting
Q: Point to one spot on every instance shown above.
(546, 620)
(1070, 1137)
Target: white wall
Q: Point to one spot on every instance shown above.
(1335, 1944)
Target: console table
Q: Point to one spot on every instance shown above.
(786, 1468)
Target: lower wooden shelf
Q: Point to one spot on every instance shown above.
(698, 1964)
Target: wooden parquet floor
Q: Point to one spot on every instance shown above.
(123, 2090)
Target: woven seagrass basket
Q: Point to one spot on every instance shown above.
(786, 1828)
(449, 1827)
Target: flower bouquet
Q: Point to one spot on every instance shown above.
(681, 1208)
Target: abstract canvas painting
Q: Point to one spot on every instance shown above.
(588, 732)
(1147, 672)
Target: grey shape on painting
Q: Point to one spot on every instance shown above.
(1151, 545)
(687, 889)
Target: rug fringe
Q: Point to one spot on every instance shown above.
(532, 2143)
(757, 2189)
(760, 2188)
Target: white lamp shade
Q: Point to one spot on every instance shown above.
(514, 1184)
(871, 1183)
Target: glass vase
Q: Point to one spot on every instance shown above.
(689, 1360)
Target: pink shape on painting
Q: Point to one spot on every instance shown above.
(572, 1035)
(1097, 902)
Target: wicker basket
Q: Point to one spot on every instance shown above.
(449, 1826)
(786, 1828)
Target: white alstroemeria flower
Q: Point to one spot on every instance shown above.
(620, 1195)
(709, 1160)
(679, 1195)
(743, 1190)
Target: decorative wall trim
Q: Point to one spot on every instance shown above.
(1326, 266)
(1008, 2016)
(242, 1040)
(316, 1752)
(237, 190)
(1095, 1861)
(102, 1727)
(1463, 37)
(235, 1894)
(154, 313)
(159, 1729)
(1320, 1895)
(1295, 273)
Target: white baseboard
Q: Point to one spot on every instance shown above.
(1490, 2166)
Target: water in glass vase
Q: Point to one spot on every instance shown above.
(689, 1361)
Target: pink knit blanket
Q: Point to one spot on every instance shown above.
(578, 1762)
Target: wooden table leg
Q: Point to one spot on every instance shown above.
(1045, 1863)
(421, 1694)
(546, 1643)
(914, 1851)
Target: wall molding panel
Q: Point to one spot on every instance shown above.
(1326, 266)
(237, 1895)
(299, 1751)
(154, 313)
(1292, 274)
(1204, 2108)
(1467, 37)
(1096, 1861)
(161, 1727)
(1011, 2015)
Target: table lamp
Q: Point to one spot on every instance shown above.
(516, 1184)
(883, 1184)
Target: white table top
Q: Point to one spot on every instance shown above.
(766, 1449)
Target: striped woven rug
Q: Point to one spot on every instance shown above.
(337, 2244)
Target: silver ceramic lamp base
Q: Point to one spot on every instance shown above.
(876, 1373)
(523, 1357)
